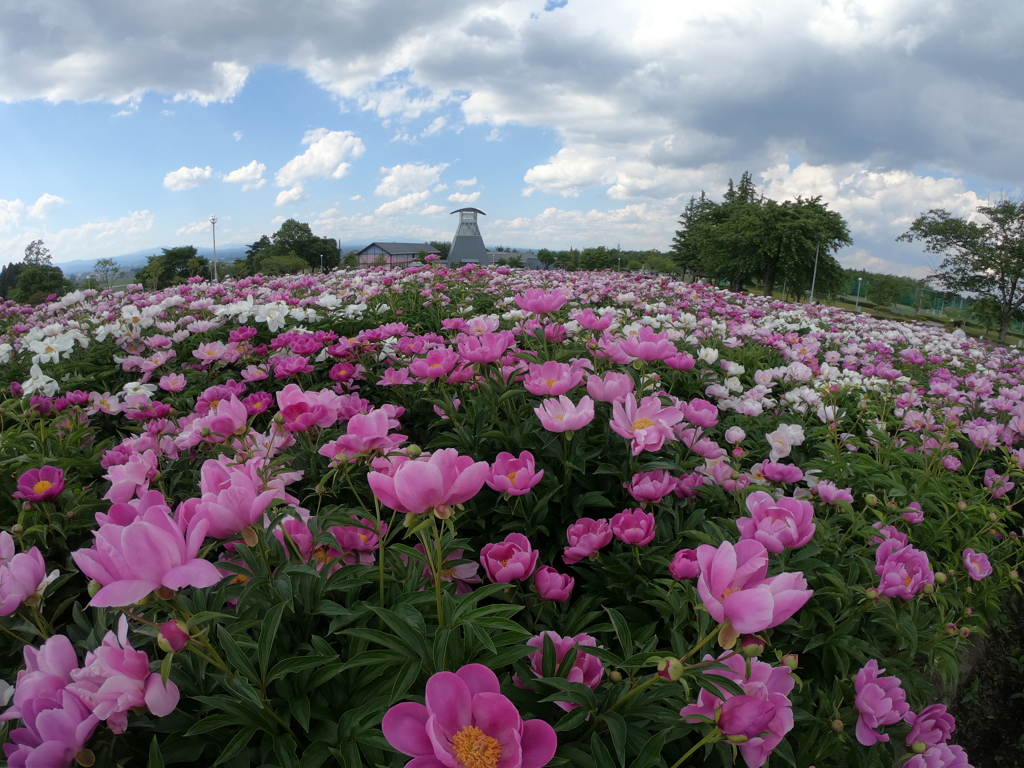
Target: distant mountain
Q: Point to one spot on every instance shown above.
(226, 252)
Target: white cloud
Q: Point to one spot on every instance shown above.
(356, 197)
(568, 172)
(463, 197)
(494, 135)
(288, 196)
(194, 228)
(92, 239)
(466, 182)
(228, 78)
(433, 210)
(440, 187)
(325, 158)
(435, 125)
(404, 203)
(249, 176)
(10, 214)
(44, 206)
(237, 135)
(404, 178)
(187, 178)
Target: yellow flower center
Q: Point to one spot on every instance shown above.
(447, 573)
(560, 416)
(321, 554)
(729, 591)
(475, 749)
(434, 365)
(551, 383)
(214, 405)
(42, 486)
(642, 423)
(906, 582)
(511, 477)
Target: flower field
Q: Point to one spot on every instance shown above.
(493, 518)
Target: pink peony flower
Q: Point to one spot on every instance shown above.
(437, 482)
(902, 570)
(611, 388)
(830, 493)
(781, 473)
(779, 524)
(366, 433)
(952, 463)
(648, 425)
(586, 537)
(633, 526)
(651, 486)
(485, 347)
(56, 729)
(510, 560)
(784, 439)
(914, 513)
(562, 415)
(684, 565)
(933, 725)
(977, 564)
(540, 302)
(733, 586)
(701, 413)
(734, 435)
(998, 485)
(132, 478)
(466, 721)
(231, 500)
(552, 378)
(22, 575)
(880, 701)
(40, 484)
(552, 585)
(939, 756)
(514, 476)
(760, 718)
(116, 678)
(133, 560)
(437, 363)
(587, 669)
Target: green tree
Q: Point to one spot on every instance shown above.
(108, 271)
(35, 253)
(442, 247)
(36, 282)
(546, 257)
(749, 237)
(9, 279)
(984, 257)
(283, 264)
(298, 237)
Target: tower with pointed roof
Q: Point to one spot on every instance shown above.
(468, 245)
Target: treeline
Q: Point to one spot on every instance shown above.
(34, 279)
(602, 257)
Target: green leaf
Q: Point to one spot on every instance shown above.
(617, 729)
(235, 656)
(621, 630)
(156, 760)
(268, 633)
(651, 752)
(295, 664)
(236, 745)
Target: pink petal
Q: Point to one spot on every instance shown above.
(195, 573)
(121, 593)
(159, 700)
(404, 727)
(496, 716)
(750, 610)
(477, 677)
(419, 486)
(539, 743)
(449, 702)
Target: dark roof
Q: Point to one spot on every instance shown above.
(394, 248)
(460, 210)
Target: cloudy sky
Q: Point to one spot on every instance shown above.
(125, 125)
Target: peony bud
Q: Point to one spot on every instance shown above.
(965, 632)
(837, 725)
(413, 451)
(927, 589)
(872, 593)
(17, 529)
(940, 577)
(250, 537)
(85, 758)
(871, 500)
(951, 629)
(615, 676)
(918, 747)
(751, 646)
(993, 516)
(969, 611)
(173, 636)
(670, 668)
(961, 505)
(1014, 576)
(791, 660)
(94, 587)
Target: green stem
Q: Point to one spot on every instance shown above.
(19, 638)
(380, 549)
(437, 573)
(631, 693)
(713, 736)
(704, 641)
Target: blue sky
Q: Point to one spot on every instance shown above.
(571, 124)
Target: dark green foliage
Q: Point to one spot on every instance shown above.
(9, 278)
(37, 281)
(173, 267)
(984, 257)
(748, 237)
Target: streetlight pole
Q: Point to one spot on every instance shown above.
(858, 293)
(321, 263)
(815, 275)
(213, 223)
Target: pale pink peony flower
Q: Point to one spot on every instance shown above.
(562, 415)
(880, 701)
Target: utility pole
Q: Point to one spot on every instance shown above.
(815, 275)
(858, 293)
(213, 223)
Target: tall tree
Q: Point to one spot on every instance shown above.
(749, 237)
(38, 281)
(108, 271)
(35, 253)
(983, 256)
(9, 278)
(298, 237)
